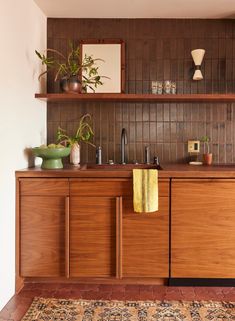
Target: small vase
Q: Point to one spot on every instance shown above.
(75, 154)
(207, 158)
(71, 85)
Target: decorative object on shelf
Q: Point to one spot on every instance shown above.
(84, 134)
(113, 53)
(157, 87)
(71, 84)
(154, 87)
(207, 157)
(70, 70)
(167, 87)
(198, 55)
(173, 88)
(51, 155)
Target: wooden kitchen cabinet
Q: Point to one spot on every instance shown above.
(203, 228)
(146, 238)
(42, 227)
(92, 236)
(94, 212)
(107, 239)
(86, 228)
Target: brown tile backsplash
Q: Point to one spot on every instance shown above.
(156, 49)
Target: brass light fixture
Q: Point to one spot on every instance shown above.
(198, 55)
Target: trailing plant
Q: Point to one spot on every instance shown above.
(72, 65)
(84, 133)
(206, 140)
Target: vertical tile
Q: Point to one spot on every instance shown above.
(153, 52)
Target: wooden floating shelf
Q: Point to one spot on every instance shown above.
(210, 98)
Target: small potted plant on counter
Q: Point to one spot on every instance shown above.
(75, 74)
(207, 156)
(84, 133)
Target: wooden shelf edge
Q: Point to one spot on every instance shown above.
(61, 97)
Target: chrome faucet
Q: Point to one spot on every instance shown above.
(123, 143)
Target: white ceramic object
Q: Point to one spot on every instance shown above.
(198, 55)
(197, 75)
(75, 154)
(195, 163)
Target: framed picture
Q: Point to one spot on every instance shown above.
(111, 64)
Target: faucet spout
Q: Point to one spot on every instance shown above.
(123, 143)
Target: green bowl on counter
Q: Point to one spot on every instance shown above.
(51, 157)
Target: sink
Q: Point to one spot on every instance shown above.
(123, 167)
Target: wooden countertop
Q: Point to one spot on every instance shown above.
(169, 171)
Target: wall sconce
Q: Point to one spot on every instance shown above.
(198, 55)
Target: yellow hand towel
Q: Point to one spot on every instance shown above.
(145, 190)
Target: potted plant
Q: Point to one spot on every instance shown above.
(207, 157)
(69, 69)
(84, 133)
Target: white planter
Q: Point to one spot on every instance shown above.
(75, 154)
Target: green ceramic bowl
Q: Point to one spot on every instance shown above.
(51, 157)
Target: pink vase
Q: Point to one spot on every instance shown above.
(75, 154)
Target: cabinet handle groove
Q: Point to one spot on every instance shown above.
(119, 237)
(67, 268)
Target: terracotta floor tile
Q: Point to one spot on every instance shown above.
(146, 288)
(117, 295)
(132, 287)
(173, 294)
(75, 294)
(132, 296)
(105, 295)
(90, 295)
(106, 287)
(119, 288)
(146, 295)
(19, 304)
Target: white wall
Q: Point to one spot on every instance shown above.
(22, 118)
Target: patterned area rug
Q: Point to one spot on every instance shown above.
(84, 310)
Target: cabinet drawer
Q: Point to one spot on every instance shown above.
(44, 186)
(99, 187)
(109, 187)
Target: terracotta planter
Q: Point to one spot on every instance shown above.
(75, 154)
(207, 159)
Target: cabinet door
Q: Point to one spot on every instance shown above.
(92, 236)
(42, 225)
(146, 239)
(203, 228)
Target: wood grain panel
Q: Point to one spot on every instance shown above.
(99, 187)
(203, 229)
(42, 226)
(45, 186)
(92, 236)
(109, 187)
(146, 241)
